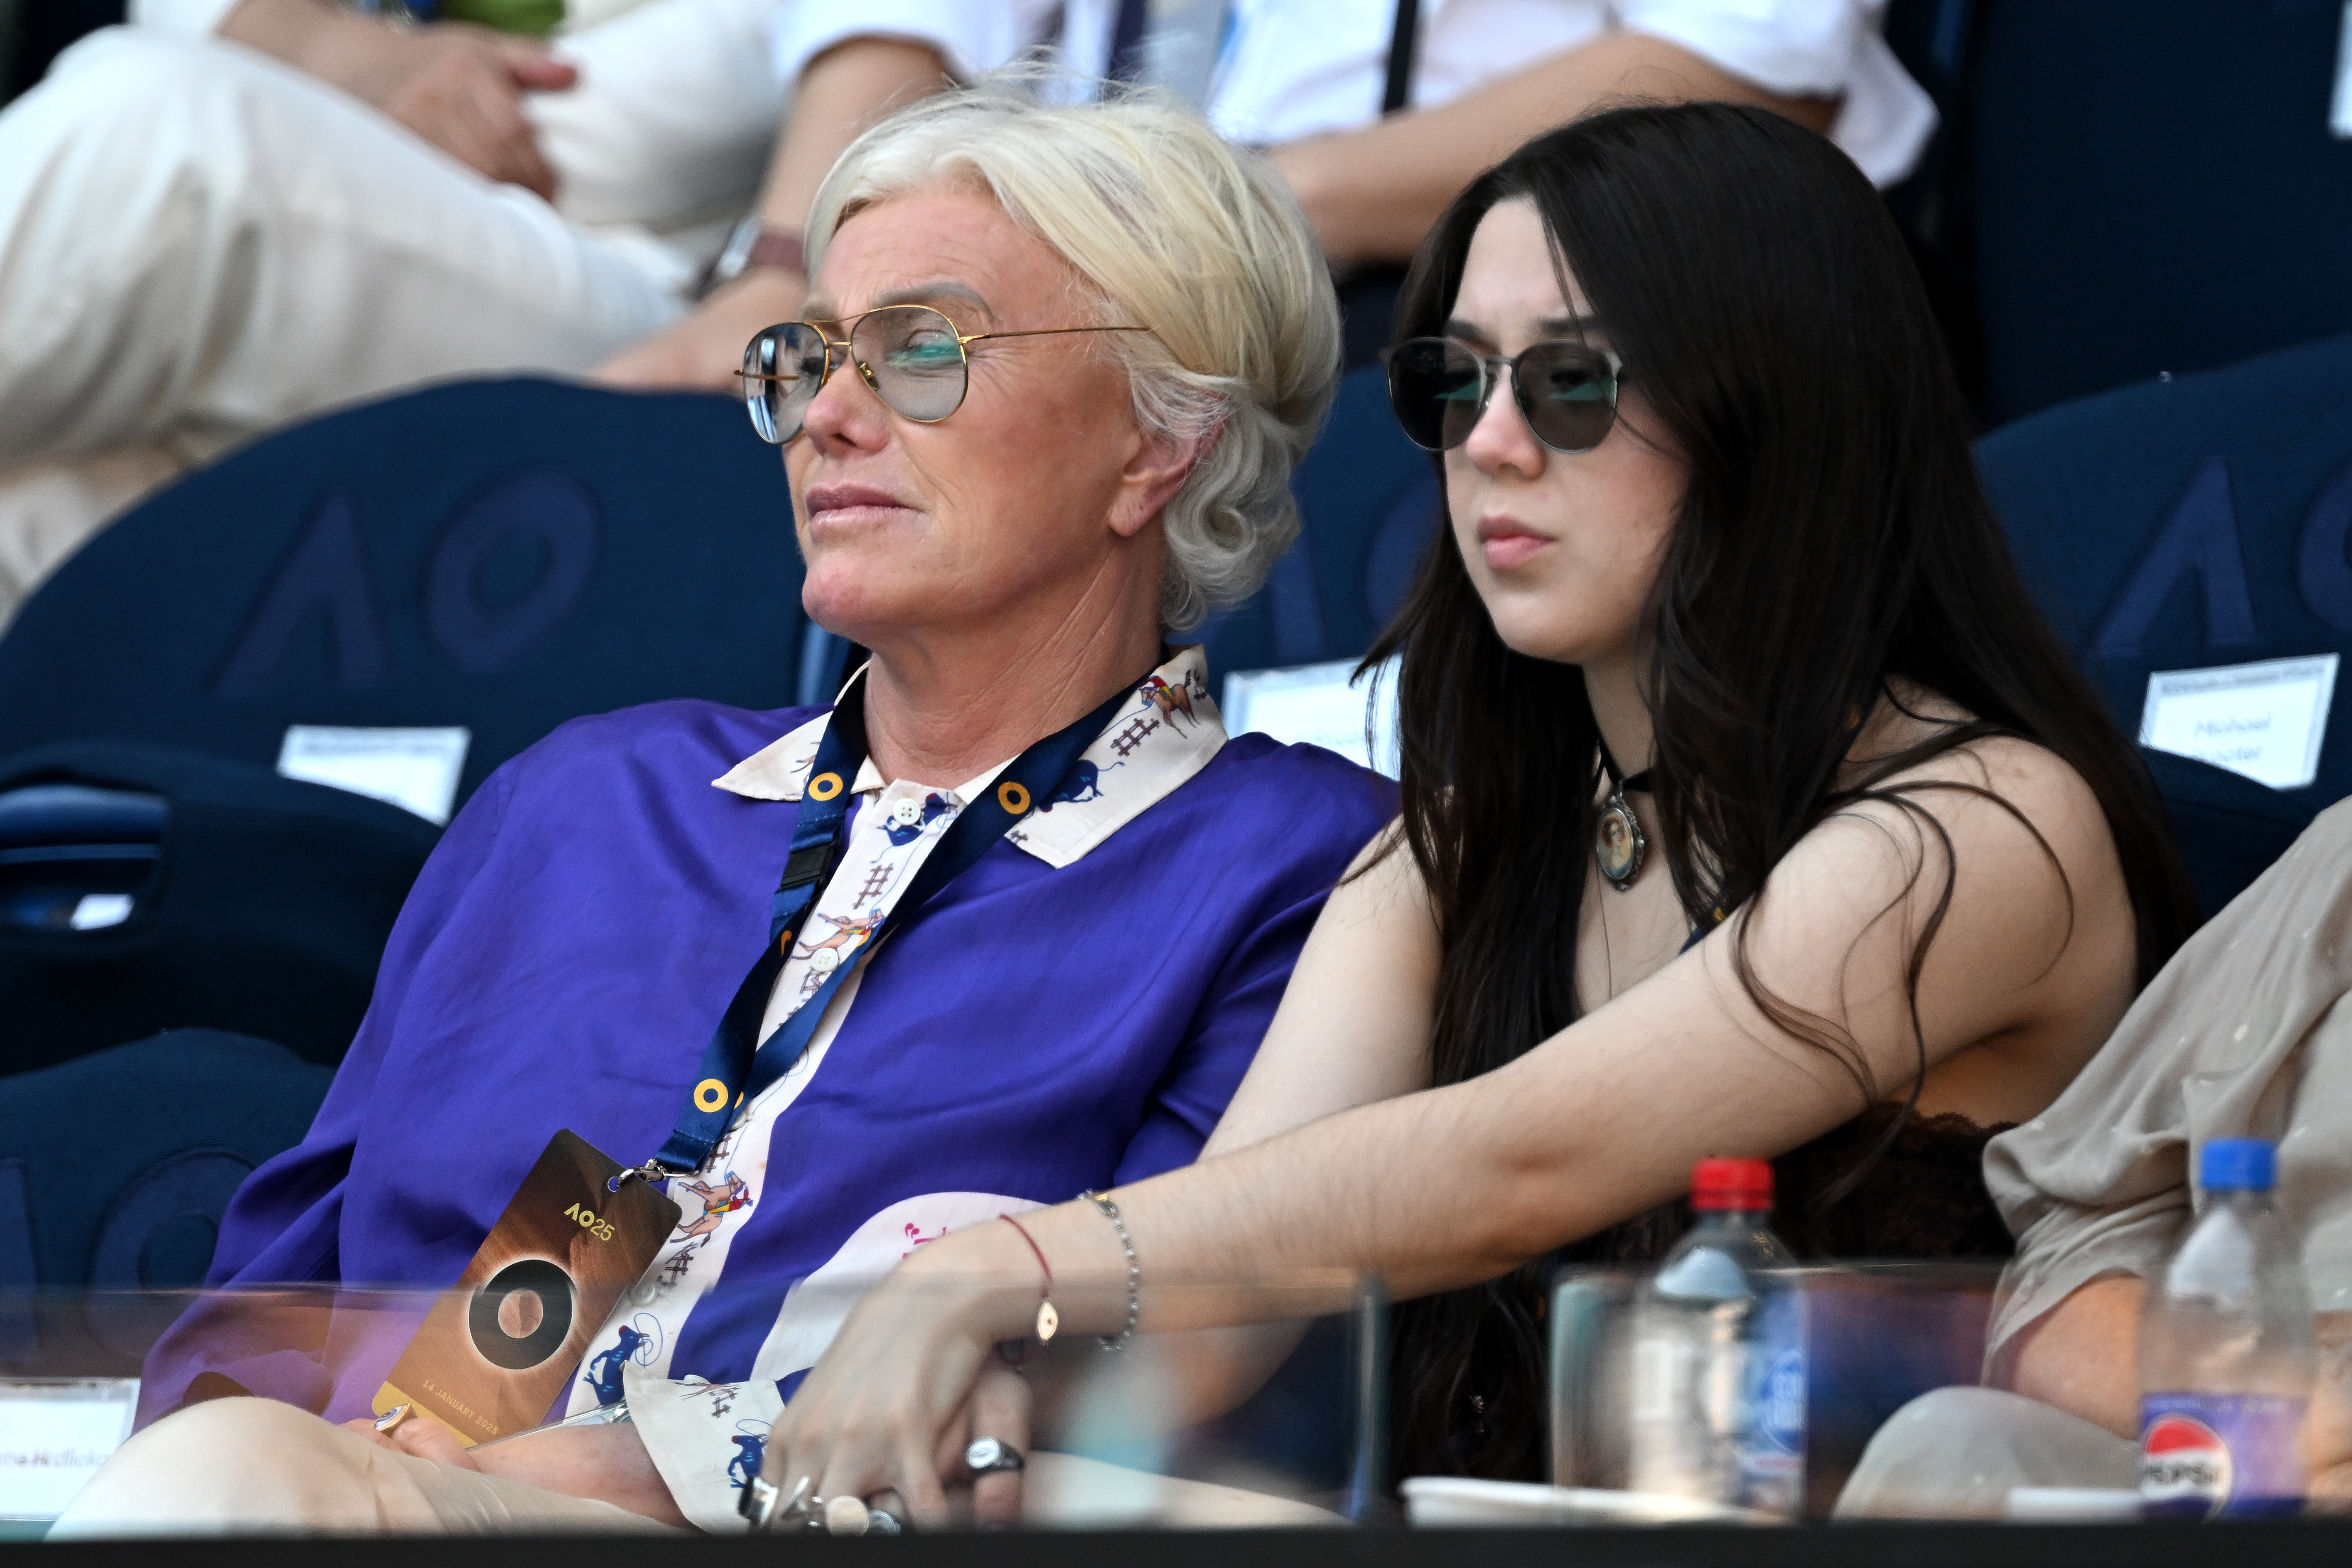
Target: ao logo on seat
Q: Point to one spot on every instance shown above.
(510, 567)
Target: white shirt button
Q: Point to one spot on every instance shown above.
(824, 960)
(906, 814)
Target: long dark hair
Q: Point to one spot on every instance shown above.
(1833, 544)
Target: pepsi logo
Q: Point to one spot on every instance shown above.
(2185, 1469)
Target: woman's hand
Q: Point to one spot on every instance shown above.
(420, 1437)
(913, 1376)
(702, 351)
(888, 1405)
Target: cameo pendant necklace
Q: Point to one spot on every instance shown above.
(1619, 844)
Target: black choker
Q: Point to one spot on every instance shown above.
(1618, 842)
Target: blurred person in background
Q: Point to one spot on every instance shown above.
(1720, 565)
(238, 213)
(1074, 354)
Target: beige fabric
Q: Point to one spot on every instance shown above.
(1956, 1453)
(253, 1466)
(48, 508)
(199, 244)
(250, 1466)
(2242, 1034)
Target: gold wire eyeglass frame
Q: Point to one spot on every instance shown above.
(836, 349)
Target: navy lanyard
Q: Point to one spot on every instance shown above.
(737, 1065)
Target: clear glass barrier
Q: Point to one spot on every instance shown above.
(1282, 1418)
(1875, 1337)
(1281, 1422)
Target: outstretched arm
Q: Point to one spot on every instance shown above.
(1372, 194)
(1603, 1120)
(841, 92)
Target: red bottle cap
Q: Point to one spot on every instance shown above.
(1731, 1184)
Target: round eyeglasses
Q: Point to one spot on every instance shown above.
(1567, 391)
(913, 357)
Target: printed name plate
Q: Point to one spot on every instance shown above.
(55, 1432)
(2265, 721)
(416, 770)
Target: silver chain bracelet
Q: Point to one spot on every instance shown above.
(1134, 1271)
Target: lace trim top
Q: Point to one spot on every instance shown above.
(1924, 1196)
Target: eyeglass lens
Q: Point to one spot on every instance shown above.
(1568, 391)
(909, 354)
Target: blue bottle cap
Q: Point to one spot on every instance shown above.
(2238, 1165)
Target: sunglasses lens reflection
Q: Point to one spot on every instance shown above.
(783, 368)
(1567, 391)
(911, 356)
(1569, 394)
(1434, 386)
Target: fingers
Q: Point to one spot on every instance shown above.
(904, 1476)
(459, 95)
(1000, 1408)
(534, 70)
(515, 154)
(366, 1428)
(703, 350)
(424, 1437)
(919, 1485)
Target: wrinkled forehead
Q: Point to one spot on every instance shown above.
(954, 249)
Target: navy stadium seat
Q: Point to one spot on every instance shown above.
(114, 1173)
(143, 889)
(1368, 502)
(502, 556)
(2228, 827)
(2154, 187)
(2193, 523)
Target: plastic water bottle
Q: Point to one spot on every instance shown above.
(1718, 1355)
(2225, 1354)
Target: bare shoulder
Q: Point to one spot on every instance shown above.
(2003, 851)
(1995, 786)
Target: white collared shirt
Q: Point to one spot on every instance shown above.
(1168, 732)
(1293, 69)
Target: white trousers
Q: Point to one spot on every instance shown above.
(251, 1466)
(199, 244)
(1957, 1453)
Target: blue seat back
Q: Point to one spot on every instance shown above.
(1368, 501)
(502, 556)
(114, 1172)
(2192, 523)
(2154, 187)
(2227, 827)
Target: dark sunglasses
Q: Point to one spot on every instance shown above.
(912, 355)
(1567, 391)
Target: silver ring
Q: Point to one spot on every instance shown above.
(766, 1505)
(987, 1454)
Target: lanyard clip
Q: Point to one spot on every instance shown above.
(650, 1171)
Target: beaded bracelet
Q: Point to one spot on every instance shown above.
(1134, 1271)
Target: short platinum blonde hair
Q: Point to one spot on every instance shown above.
(1175, 230)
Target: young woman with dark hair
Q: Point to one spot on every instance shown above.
(1749, 809)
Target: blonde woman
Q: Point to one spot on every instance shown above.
(1057, 365)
